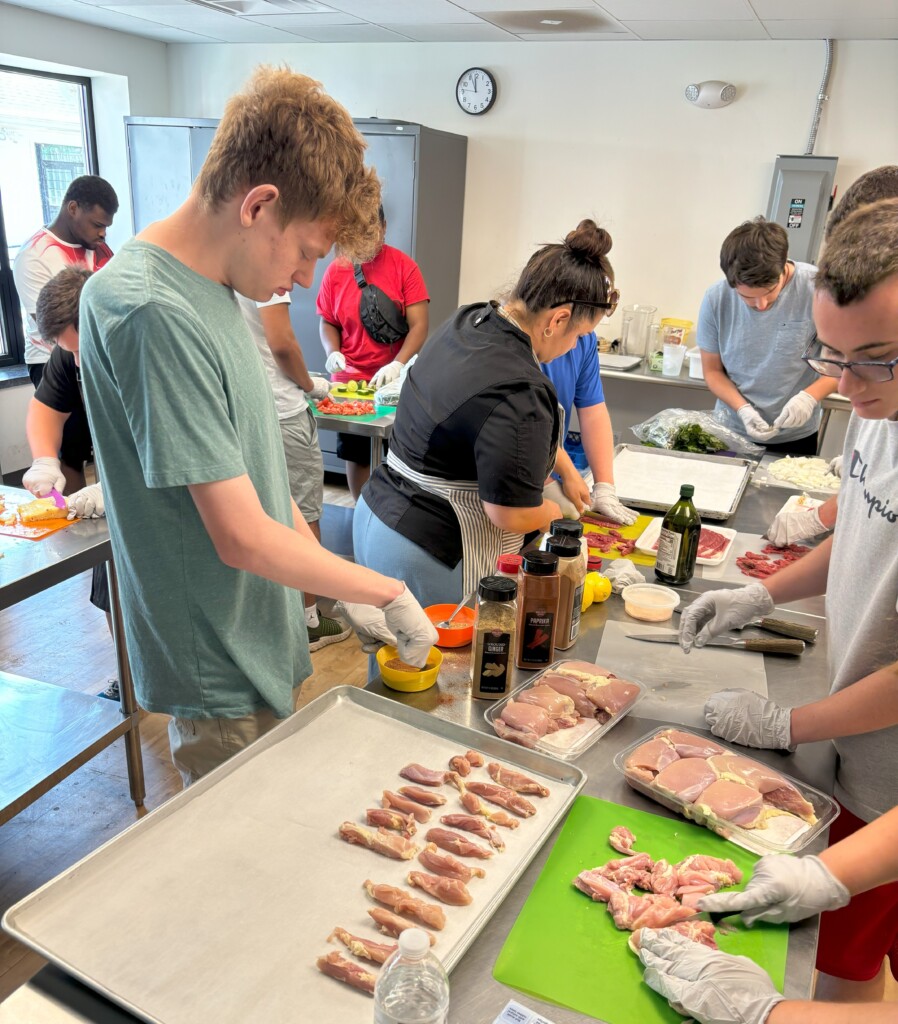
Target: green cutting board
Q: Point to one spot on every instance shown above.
(379, 410)
(565, 949)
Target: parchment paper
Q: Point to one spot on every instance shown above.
(677, 684)
(652, 477)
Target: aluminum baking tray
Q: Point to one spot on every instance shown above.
(783, 834)
(566, 744)
(233, 886)
(717, 494)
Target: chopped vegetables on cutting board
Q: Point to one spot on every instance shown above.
(329, 407)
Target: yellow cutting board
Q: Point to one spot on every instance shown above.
(633, 532)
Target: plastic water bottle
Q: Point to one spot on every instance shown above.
(412, 987)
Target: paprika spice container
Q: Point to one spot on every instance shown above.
(495, 628)
(537, 610)
(571, 575)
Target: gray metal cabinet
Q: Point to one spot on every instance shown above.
(423, 176)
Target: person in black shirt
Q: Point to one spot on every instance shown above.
(478, 427)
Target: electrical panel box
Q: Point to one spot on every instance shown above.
(800, 196)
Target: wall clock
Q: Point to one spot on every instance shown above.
(475, 91)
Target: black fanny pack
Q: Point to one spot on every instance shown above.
(380, 315)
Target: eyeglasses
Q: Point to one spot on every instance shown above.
(869, 370)
(611, 304)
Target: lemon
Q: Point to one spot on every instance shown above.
(596, 588)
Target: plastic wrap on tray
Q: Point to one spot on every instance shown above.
(679, 769)
(581, 720)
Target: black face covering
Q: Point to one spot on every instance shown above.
(379, 314)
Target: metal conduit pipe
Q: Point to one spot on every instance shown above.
(821, 97)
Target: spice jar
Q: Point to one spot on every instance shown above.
(495, 626)
(537, 610)
(571, 528)
(509, 565)
(571, 575)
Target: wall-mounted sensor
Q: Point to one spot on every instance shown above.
(711, 94)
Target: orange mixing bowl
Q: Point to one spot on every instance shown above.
(462, 630)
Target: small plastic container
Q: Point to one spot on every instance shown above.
(567, 744)
(783, 833)
(694, 355)
(674, 331)
(408, 682)
(649, 602)
(461, 630)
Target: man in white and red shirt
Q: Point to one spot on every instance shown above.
(352, 354)
(77, 238)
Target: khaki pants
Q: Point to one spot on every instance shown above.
(200, 744)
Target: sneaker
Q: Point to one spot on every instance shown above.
(112, 691)
(328, 631)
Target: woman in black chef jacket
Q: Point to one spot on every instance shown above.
(478, 427)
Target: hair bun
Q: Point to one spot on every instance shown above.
(588, 243)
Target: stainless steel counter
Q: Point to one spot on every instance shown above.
(379, 430)
(476, 998)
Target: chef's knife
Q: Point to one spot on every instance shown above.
(764, 645)
(57, 498)
(782, 627)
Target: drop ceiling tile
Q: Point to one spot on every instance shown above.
(573, 22)
(353, 34)
(42, 5)
(405, 12)
(123, 22)
(482, 33)
(522, 5)
(222, 27)
(678, 10)
(815, 10)
(834, 28)
(697, 29)
(298, 23)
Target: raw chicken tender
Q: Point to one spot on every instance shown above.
(649, 758)
(452, 842)
(403, 902)
(522, 723)
(451, 891)
(474, 759)
(621, 839)
(336, 966)
(556, 705)
(423, 796)
(460, 765)
(734, 802)
(515, 780)
(392, 924)
(404, 824)
(446, 865)
(474, 805)
(686, 778)
(776, 790)
(364, 949)
(422, 776)
(382, 841)
(470, 823)
(688, 745)
(504, 797)
(419, 813)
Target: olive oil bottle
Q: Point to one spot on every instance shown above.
(678, 543)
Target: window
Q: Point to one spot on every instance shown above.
(46, 140)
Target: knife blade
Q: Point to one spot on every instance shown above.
(782, 627)
(763, 645)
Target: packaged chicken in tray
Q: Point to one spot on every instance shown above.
(564, 709)
(726, 790)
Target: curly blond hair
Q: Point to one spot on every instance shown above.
(284, 130)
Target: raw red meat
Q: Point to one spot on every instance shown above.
(760, 566)
(710, 543)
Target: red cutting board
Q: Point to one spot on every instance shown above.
(565, 949)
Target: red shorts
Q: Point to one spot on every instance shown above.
(855, 940)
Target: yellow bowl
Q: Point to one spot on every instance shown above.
(408, 682)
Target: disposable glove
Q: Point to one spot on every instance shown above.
(622, 572)
(604, 501)
(369, 624)
(386, 374)
(321, 387)
(336, 362)
(44, 476)
(415, 633)
(791, 527)
(87, 503)
(742, 716)
(755, 425)
(835, 465)
(783, 889)
(797, 411)
(719, 610)
(707, 984)
(553, 492)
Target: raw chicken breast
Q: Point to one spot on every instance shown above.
(419, 813)
(403, 902)
(686, 778)
(724, 870)
(422, 776)
(423, 796)
(596, 885)
(449, 890)
(770, 784)
(382, 841)
(446, 865)
(404, 824)
(621, 839)
(452, 842)
(665, 879)
(336, 966)
(470, 823)
(522, 723)
(556, 705)
(503, 797)
(649, 758)
(613, 695)
(515, 780)
(734, 802)
(687, 744)
(701, 932)
(392, 924)
(631, 912)
(474, 805)
(572, 688)
(364, 949)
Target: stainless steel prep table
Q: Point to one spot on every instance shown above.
(31, 763)
(378, 430)
(52, 997)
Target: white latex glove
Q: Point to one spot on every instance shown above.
(797, 411)
(719, 610)
(336, 362)
(622, 572)
(553, 492)
(321, 388)
(87, 503)
(707, 984)
(415, 633)
(835, 465)
(386, 375)
(755, 425)
(745, 717)
(791, 527)
(604, 501)
(369, 624)
(44, 476)
(783, 889)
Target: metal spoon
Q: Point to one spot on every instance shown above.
(445, 623)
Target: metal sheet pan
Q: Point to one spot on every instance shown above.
(653, 492)
(237, 882)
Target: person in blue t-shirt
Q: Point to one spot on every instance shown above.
(579, 386)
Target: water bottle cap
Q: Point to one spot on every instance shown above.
(414, 942)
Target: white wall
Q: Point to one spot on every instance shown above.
(602, 130)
